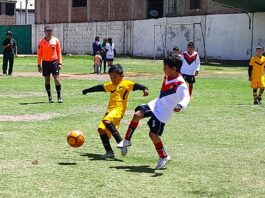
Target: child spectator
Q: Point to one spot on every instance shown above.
(97, 62)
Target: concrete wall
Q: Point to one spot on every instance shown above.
(227, 36)
(77, 38)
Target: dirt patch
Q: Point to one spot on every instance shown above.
(28, 118)
(102, 77)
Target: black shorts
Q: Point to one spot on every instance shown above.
(50, 67)
(189, 78)
(154, 124)
(109, 59)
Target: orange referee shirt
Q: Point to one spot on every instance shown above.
(49, 50)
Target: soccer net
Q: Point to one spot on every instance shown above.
(178, 34)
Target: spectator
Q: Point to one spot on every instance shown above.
(10, 49)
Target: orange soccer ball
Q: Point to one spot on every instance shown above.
(75, 138)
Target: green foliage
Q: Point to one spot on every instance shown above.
(216, 144)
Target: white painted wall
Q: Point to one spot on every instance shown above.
(227, 37)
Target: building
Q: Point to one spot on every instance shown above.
(23, 15)
(72, 11)
(7, 12)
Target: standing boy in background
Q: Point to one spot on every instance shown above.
(176, 52)
(256, 74)
(50, 62)
(173, 97)
(191, 65)
(119, 90)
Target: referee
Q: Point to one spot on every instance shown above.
(50, 62)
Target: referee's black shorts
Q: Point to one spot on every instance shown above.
(50, 67)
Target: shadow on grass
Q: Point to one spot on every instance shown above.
(138, 169)
(31, 103)
(93, 157)
(67, 163)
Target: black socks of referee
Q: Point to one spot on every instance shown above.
(48, 89)
(114, 132)
(58, 89)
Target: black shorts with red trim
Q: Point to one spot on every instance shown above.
(155, 126)
(189, 78)
(50, 67)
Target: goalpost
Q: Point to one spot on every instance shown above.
(178, 34)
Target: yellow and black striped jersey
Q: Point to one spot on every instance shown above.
(119, 94)
(258, 64)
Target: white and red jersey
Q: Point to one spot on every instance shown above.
(173, 93)
(191, 63)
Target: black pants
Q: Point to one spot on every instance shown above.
(6, 58)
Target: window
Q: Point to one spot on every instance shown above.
(10, 9)
(172, 6)
(155, 9)
(195, 4)
(0, 8)
(79, 3)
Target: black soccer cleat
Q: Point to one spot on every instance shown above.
(256, 102)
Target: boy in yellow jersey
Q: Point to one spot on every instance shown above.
(119, 92)
(256, 74)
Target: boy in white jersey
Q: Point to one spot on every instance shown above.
(191, 65)
(173, 97)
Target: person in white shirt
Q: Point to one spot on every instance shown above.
(191, 65)
(110, 52)
(173, 97)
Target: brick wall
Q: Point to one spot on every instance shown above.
(117, 10)
(99, 10)
(58, 11)
(79, 14)
(7, 20)
(42, 11)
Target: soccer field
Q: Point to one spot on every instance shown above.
(216, 145)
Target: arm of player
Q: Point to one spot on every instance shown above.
(249, 72)
(198, 65)
(138, 86)
(96, 88)
(184, 96)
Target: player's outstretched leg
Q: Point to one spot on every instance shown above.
(138, 115)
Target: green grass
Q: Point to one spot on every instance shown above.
(216, 145)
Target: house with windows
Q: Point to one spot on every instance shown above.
(7, 12)
(73, 11)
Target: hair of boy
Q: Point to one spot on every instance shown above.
(259, 48)
(176, 48)
(191, 44)
(97, 38)
(117, 68)
(173, 61)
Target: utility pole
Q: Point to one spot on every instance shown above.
(26, 12)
